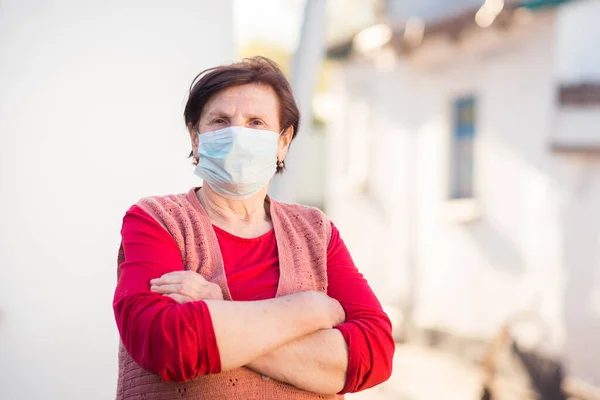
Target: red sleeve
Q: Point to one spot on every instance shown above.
(175, 341)
(367, 330)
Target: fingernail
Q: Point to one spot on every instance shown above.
(153, 288)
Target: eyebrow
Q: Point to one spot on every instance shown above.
(221, 113)
(217, 113)
(255, 116)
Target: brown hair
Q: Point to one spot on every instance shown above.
(257, 70)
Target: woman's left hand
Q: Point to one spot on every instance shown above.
(186, 286)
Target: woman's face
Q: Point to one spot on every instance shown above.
(252, 106)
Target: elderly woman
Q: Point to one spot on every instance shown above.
(225, 293)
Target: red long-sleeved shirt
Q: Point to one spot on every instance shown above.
(177, 341)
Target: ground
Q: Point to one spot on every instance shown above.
(424, 374)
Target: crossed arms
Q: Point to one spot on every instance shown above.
(304, 339)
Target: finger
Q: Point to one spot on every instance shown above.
(192, 278)
(170, 288)
(171, 277)
(179, 298)
(200, 279)
(215, 292)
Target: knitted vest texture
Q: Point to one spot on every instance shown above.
(302, 235)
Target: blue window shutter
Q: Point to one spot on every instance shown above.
(463, 148)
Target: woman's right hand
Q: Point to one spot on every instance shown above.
(186, 286)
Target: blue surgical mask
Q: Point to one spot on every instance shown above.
(237, 162)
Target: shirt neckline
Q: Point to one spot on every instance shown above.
(221, 231)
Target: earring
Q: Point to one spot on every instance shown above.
(280, 164)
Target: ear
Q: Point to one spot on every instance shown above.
(194, 138)
(285, 139)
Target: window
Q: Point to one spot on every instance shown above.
(463, 137)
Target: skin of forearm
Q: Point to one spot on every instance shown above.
(316, 362)
(246, 331)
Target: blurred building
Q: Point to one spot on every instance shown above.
(464, 167)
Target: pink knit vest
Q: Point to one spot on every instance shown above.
(302, 235)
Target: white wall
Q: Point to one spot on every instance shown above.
(577, 33)
(577, 126)
(368, 175)
(311, 180)
(507, 262)
(91, 101)
(535, 247)
(580, 218)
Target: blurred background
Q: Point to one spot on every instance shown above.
(455, 144)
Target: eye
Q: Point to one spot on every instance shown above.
(257, 122)
(218, 121)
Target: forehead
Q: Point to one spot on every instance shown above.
(250, 98)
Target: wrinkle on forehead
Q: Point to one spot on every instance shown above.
(251, 101)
